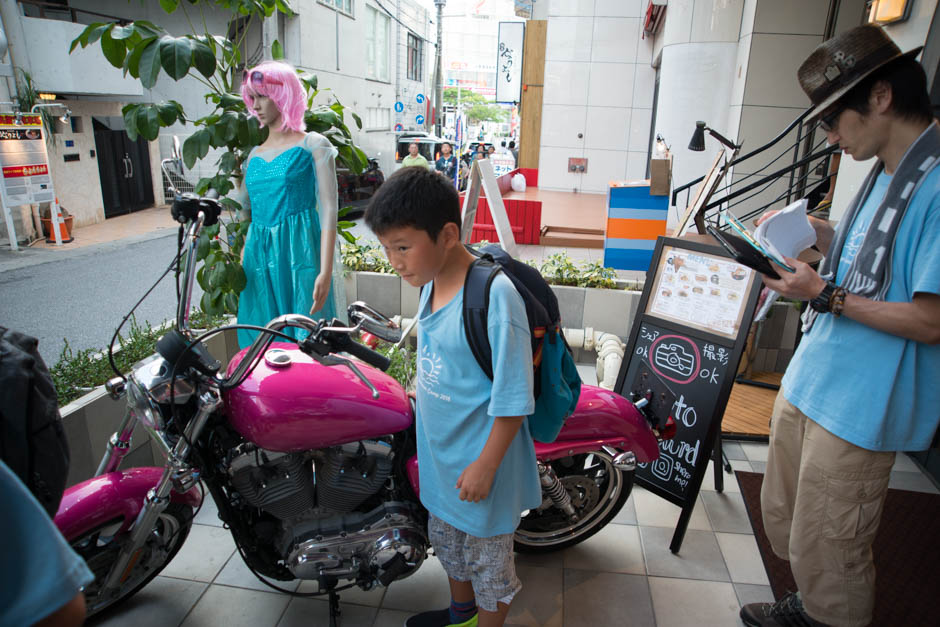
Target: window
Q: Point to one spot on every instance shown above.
(415, 57)
(376, 44)
(378, 118)
(343, 6)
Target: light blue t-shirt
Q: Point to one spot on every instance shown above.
(39, 571)
(457, 404)
(873, 389)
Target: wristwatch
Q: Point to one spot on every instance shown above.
(830, 300)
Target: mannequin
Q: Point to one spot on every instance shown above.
(290, 255)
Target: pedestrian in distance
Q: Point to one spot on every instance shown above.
(291, 255)
(512, 149)
(413, 158)
(447, 163)
(476, 457)
(863, 381)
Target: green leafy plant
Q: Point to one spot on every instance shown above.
(559, 269)
(26, 96)
(365, 257)
(144, 50)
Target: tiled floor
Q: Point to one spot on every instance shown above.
(624, 575)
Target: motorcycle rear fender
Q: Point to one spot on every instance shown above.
(120, 494)
(601, 418)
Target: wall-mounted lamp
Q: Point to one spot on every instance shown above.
(64, 118)
(697, 142)
(661, 147)
(45, 96)
(19, 118)
(889, 11)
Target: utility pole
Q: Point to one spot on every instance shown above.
(438, 75)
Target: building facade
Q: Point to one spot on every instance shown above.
(369, 54)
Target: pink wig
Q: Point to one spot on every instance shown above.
(281, 85)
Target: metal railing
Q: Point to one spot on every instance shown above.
(806, 174)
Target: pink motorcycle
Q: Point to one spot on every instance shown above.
(308, 450)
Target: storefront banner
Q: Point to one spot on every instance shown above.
(509, 62)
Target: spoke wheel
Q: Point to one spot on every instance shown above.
(598, 491)
(99, 548)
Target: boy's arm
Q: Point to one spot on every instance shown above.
(476, 480)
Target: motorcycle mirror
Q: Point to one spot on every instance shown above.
(372, 321)
(177, 152)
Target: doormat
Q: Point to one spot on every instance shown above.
(907, 554)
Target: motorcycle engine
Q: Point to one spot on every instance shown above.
(319, 497)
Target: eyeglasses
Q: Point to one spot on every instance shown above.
(258, 79)
(828, 121)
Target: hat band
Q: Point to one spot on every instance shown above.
(839, 73)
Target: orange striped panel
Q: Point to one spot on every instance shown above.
(635, 229)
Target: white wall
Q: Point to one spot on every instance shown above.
(598, 94)
(907, 35)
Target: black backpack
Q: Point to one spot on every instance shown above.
(32, 439)
(557, 382)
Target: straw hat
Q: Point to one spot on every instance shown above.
(840, 63)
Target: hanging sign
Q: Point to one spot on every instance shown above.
(509, 61)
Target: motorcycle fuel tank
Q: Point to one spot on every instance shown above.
(289, 402)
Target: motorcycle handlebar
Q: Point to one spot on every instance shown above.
(367, 355)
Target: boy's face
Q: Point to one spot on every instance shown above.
(412, 253)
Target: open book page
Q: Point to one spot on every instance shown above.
(788, 232)
(749, 237)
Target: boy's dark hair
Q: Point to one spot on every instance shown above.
(512, 144)
(908, 82)
(502, 144)
(415, 197)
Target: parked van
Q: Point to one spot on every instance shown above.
(429, 146)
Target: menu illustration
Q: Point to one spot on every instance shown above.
(700, 290)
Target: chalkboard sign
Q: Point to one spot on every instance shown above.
(689, 334)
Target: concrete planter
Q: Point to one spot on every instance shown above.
(90, 420)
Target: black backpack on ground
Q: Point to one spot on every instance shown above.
(32, 439)
(557, 382)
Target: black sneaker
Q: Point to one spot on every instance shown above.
(787, 612)
(438, 618)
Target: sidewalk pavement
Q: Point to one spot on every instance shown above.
(119, 231)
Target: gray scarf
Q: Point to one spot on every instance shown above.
(869, 274)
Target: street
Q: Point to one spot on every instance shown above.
(83, 296)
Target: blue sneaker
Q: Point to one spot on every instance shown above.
(438, 618)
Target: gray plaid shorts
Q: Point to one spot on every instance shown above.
(487, 563)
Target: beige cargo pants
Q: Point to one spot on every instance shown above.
(821, 501)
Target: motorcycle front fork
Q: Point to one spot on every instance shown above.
(176, 475)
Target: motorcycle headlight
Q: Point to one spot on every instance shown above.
(150, 385)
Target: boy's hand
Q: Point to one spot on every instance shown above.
(475, 481)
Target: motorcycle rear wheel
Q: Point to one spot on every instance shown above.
(100, 550)
(598, 491)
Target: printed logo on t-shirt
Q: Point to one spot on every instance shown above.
(429, 373)
(854, 240)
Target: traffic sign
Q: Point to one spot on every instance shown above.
(419, 119)
(399, 107)
(399, 128)
(420, 98)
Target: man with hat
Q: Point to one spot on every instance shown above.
(863, 381)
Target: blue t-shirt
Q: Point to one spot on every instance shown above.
(39, 571)
(457, 404)
(873, 389)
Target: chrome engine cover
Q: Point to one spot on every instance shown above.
(362, 548)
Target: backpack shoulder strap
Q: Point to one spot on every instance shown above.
(476, 303)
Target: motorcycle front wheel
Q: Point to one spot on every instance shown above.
(99, 549)
(598, 491)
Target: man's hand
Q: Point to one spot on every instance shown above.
(804, 284)
(475, 481)
(321, 291)
(824, 230)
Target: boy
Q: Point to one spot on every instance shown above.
(476, 458)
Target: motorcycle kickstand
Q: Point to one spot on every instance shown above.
(335, 612)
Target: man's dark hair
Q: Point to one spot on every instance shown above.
(502, 144)
(512, 144)
(448, 144)
(415, 197)
(908, 82)
(415, 144)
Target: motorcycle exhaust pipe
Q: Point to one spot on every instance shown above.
(625, 461)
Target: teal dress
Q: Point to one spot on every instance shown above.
(282, 248)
